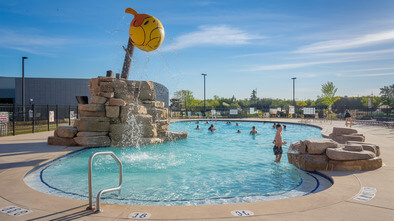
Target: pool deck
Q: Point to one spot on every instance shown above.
(19, 154)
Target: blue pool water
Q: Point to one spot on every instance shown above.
(207, 168)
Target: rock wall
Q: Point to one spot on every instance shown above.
(120, 113)
(327, 154)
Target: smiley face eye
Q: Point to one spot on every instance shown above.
(154, 21)
(146, 22)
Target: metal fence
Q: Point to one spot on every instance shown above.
(18, 119)
(358, 113)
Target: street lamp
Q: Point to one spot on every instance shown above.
(23, 85)
(294, 103)
(204, 90)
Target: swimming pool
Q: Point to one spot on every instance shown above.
(207, 168)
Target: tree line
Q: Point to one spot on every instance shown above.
(327, 99)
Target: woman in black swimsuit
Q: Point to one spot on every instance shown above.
(348, 117)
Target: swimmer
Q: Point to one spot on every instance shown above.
(212, 128)
(198, 122)
(236, 124)
(207, 122)
(253, 131)
(238, 131)
(278, 143)
(274, 126)
(284, 126)
(198, 127)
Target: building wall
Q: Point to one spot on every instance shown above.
(57, 91)
(51, 91)
(161, 93)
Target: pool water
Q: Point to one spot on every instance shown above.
(206, 168)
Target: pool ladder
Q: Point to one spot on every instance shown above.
(90, 207)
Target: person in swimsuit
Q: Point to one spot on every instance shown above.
(207, 122)
(212, 128)
(274, 126)
(198, 127)
(348, 117)
(237, 124)
(278, 142)
(238, 131)
(253, 131)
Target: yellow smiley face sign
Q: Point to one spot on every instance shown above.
(146, 32)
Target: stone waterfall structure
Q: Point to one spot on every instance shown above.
(120, 113)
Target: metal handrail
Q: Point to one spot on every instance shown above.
(90, 207)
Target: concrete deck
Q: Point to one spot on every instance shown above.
(19, 154)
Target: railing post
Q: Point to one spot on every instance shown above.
(48, 115)
(57, 116)
(32, 130)
(69, 115)
(13, 120)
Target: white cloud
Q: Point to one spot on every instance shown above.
(343, 44)
(221, 35)
(31, 43)
(366, 75)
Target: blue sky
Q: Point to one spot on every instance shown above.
(241, 45)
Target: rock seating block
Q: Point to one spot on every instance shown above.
(94, 86)
(147, 128)
(341, 154)
(353, 147)
(131, 109)
(91, 107)
(91, 114)
(105, 79)
(61, 141)
(66, 131)
(157, 113)
(106, 87)
(319, 146)
(97, 141)
(297, 147)
(112, 111)
(367, 146)
(92, 125)
(351, 137)
(107, 94)
(116, 102)
(172, 136)
(98, 100)
(91, 134)
(308, 162)
(343, 130)
(355, 165)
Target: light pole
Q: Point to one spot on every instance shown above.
(204, 90)
(23, 86)
(294, 103)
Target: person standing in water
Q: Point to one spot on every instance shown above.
(212, 128)
(253, 131)
(278, 142)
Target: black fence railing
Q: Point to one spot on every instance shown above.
(382, 113)
(18, 119)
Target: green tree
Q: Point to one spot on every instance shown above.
(185, 98)
(375, 101)
(253, 97)
(387, 93)
(328, 94)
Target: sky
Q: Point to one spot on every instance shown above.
(241, 45)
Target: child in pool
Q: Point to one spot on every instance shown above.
(278, 143)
